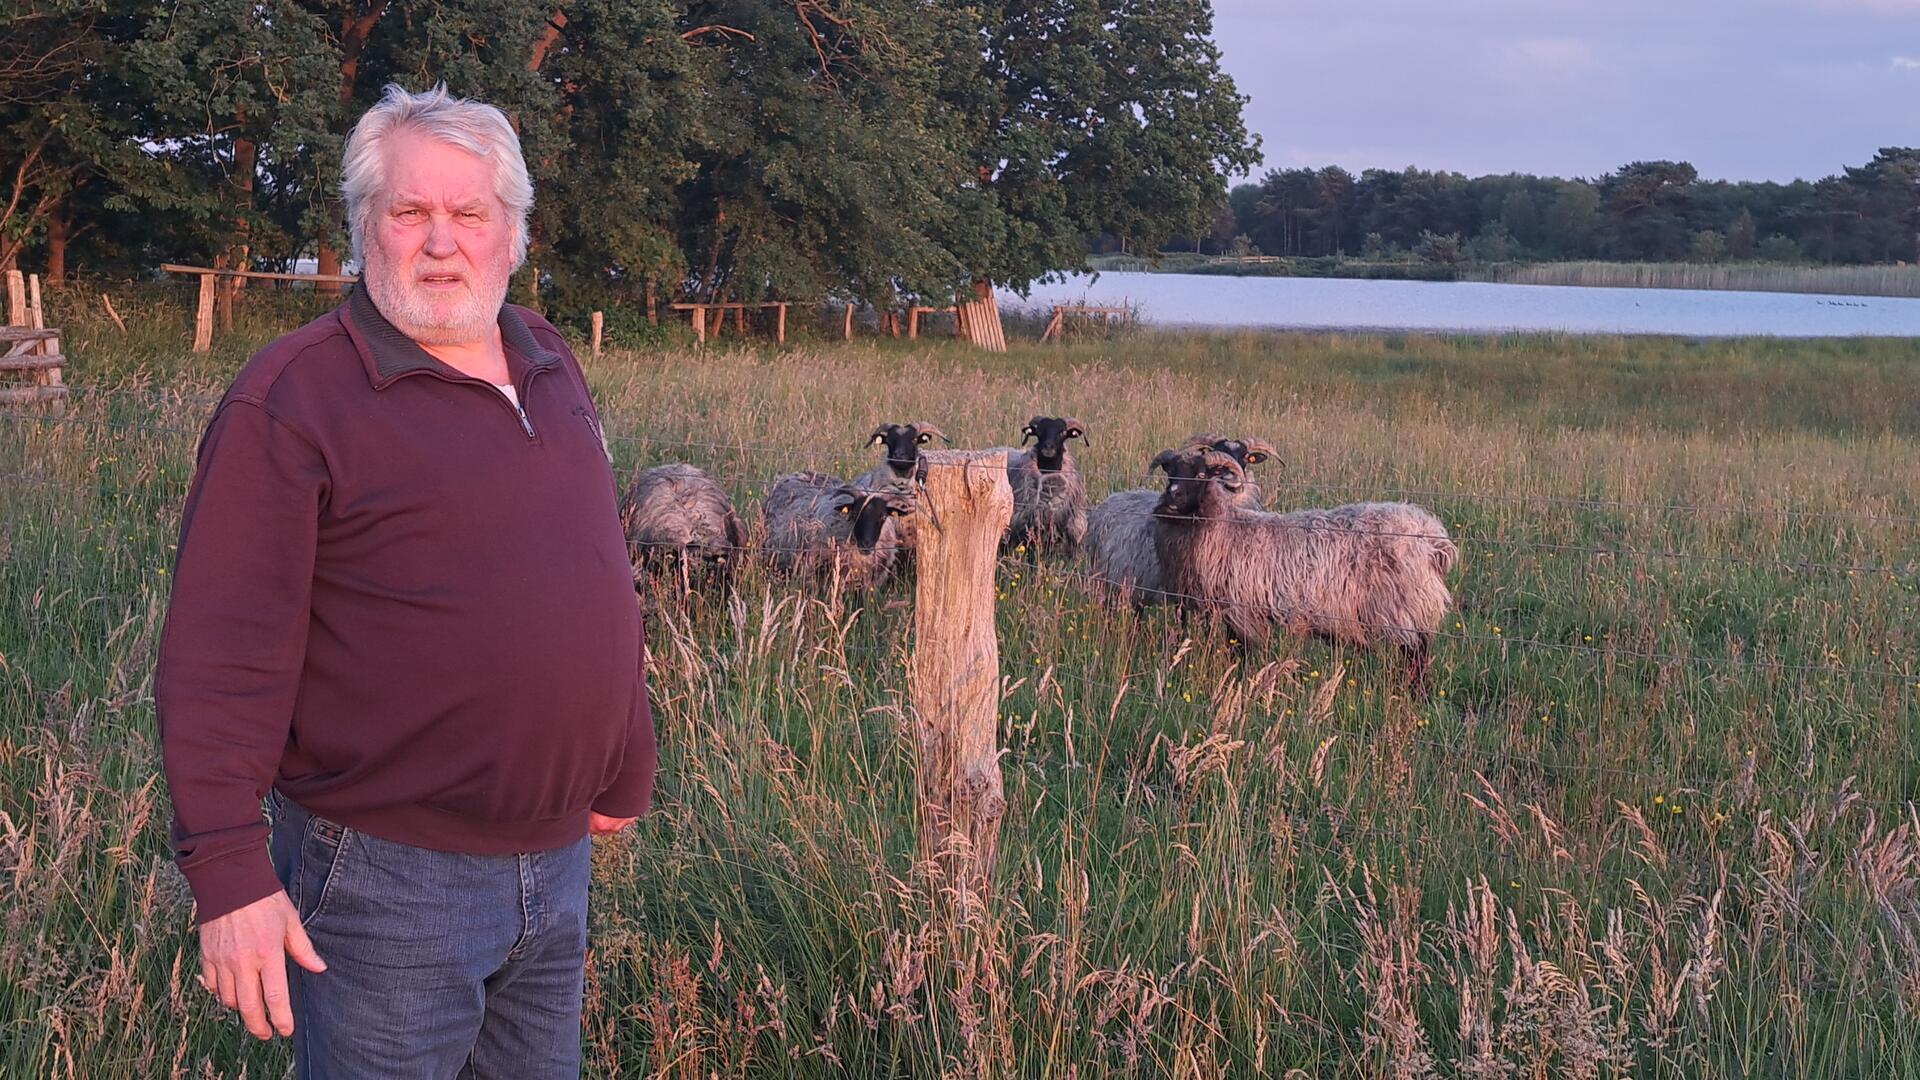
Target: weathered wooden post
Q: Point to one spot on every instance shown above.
(954, 675)
(599, 321)
(16, 298)
(203, 316)
(847, 330)
(780, 326)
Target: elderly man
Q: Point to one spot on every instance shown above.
(403, 614)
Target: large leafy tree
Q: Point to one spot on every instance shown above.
(239, 109)
(1088, 116)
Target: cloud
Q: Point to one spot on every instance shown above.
(1905, 63)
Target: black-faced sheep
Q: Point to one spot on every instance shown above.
(679, 522)
(1119, 541)
(1364, 574)
(1049, 494)
(816, 522)
(903, 443)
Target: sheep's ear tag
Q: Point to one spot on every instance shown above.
(897, 511)
(924, 438)
(877, 439)
(846, 508)
(1255, 457)
(1074, 433)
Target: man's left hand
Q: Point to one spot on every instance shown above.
(602, 825)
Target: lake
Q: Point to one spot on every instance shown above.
(1202, 300)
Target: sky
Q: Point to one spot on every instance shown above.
(1743, 89)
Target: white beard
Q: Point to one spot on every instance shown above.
(458, 318)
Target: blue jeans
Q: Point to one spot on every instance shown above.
(438, 964)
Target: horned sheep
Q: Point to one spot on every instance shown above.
(1119, 541)
(1363, 574)
(1049, 494)
(816, 522)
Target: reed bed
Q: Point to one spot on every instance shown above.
(1876, 280)
(1656, 818)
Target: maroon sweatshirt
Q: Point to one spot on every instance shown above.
(404, 603)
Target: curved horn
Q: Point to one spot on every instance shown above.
(925, 428)
(1201, 440)
(1259, 450)
(1221, 458)
(1164, 458)
(1075, 425)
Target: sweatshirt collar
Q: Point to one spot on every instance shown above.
(390, 354)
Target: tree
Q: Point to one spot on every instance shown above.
(65, 121)
(1780, 249)
(1708, 246)
(1890, 187)
(1572, 223)
(1646, 205)
(1438, 250)
(1086, 116)
(239, 91)
(1741, 235)
(1520, 215)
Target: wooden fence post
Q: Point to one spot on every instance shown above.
(847, 330)
(203, 316)
(599, 321)
(16, 298)
(780, 326)
(954, 674)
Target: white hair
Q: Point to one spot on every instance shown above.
(473, 126)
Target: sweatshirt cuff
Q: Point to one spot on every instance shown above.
(230, 883)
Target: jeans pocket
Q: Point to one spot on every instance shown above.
(324, 846)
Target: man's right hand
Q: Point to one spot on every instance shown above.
(242, 960)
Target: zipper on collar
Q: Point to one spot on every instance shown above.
(526, 425)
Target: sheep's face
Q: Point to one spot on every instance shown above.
(1050, 435)
(865, 513)
(903, 443)
(1197, 481)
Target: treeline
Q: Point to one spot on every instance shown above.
(726, 149)
(1644, 211)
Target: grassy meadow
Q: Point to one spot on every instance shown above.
(1656, 818)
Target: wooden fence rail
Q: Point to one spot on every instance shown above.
(203, 313)
(30, 356)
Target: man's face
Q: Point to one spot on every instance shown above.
(440, 247)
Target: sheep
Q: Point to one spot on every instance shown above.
(903, 443)
(1119, 540)
(816, 522)
(677, 518)
(1364, 573)
(1049, 494)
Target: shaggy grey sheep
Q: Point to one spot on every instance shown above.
(1119, 540)
(902, 461)
(1049, 494)
(678, 520)
(816, 522)
(1364, 573)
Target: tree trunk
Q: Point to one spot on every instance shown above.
(246, 161)
(57, 244)
(354, 32)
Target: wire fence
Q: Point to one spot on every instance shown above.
(170, 494)
(161, 395)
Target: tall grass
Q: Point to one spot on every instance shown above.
(1755, 277)
(1654, 820)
